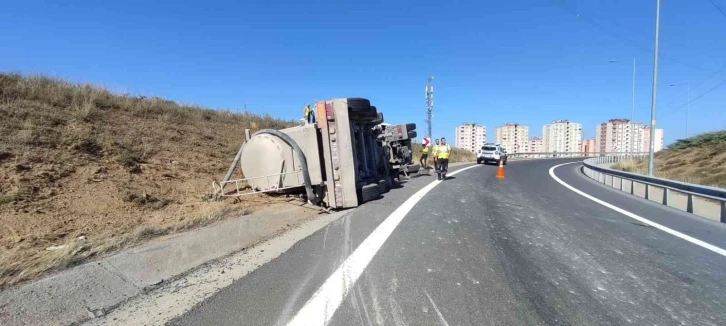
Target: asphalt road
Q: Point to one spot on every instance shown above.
(477, 250)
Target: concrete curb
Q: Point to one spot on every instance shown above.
(93, 289)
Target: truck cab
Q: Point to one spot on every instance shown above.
(491, 152)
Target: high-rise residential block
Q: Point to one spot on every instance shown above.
(562, 136)
(513, 137)
(470, 136)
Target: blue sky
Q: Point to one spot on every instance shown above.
(493, 61)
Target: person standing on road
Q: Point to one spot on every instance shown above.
(443, 158)
(424, 156)
(434, 153)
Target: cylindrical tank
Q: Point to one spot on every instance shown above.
(264, 157)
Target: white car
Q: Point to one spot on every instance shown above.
(491, 153)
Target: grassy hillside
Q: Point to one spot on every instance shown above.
(457, 154)
(700, 159)
(83, 167)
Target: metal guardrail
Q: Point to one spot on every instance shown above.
(708, 195)
(573, 154)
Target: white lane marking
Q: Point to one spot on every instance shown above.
(438, 312)
(637, 217)
(326, 300)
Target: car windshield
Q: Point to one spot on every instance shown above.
(490, 148)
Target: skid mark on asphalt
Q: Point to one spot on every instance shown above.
(327, 299)
(438, 312)
(396, 312)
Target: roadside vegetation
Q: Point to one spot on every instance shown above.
(699, 159)
(84, 171)
(457, 154)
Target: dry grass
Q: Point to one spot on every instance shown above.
(700, 159)
(79, 161)
(457, 154)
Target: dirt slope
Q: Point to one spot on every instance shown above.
(700, 159)
(96, 171)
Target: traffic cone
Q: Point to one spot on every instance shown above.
(500, 170)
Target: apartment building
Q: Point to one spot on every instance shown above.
(535, 145)
(588, 146)
(620, 135)
(470, 136)
(562, 136)
(645, 136)
(513, 137)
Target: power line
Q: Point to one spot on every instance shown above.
(695, 87)
(620, 36)
(717, 8)
(723, 82)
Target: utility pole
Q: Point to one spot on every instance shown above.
(632, 115)
(429, 105)
(654, 90)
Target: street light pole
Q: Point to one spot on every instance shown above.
(688, 105)
(654, 90)
(688, 102)
(632, 110)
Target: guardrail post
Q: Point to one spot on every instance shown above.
(723, 212)
(621, 184)
(632, 187)
(689, 206)
(666, 194)
(646, 190)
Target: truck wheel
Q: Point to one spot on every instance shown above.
(369, 192)
(412, 134)
(410, 126)
(478, 161)
(382, 186)
(358, 104)
(379, 118)
(364, 116)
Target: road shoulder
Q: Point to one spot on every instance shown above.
(94, 289)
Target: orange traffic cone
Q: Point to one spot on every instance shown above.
(500, 170)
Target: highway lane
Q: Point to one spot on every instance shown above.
(477, 250)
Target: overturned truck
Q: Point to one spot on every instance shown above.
(347, 157)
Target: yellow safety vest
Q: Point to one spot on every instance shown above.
(443, 151)
(306, 111)
(435, 150)
(425, 150)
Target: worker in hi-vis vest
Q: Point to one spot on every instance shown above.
(434, 153)
(308, 114)
(442, 157)
(424, 156)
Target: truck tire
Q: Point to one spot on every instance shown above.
(379, 118)
(412, 134)
(367, 116)
(410, 126)
(358, 104)
(369, 192)
(382, 186)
